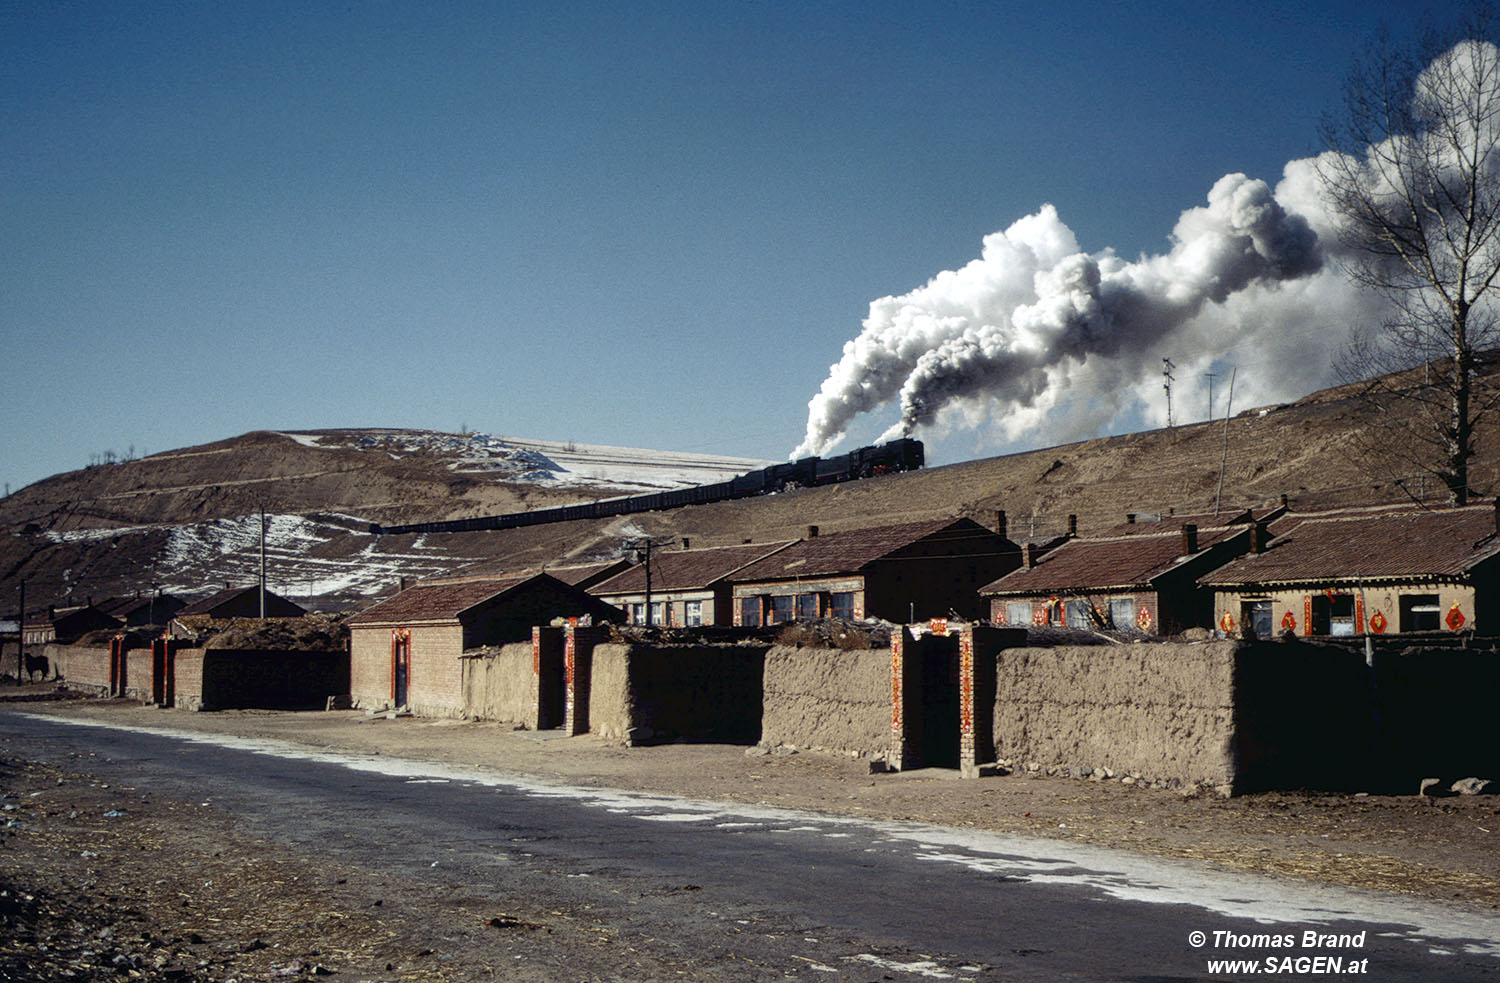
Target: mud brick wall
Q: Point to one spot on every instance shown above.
(1318, 716)
(81, 667)
(246, 679)
(1158, 711)
(1433, 714)
(644, 693)
(828, 699)
(501, 684)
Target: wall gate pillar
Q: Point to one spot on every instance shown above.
(578, 672)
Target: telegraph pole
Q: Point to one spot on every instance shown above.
(644, 547)
(262, 563)
(1210, 377)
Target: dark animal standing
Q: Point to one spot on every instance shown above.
(36, 664)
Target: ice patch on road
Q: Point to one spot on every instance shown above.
(1111, 873)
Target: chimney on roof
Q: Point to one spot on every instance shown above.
(1283, 500)
(686, 543)
(1259, 534)
(1028, 555)
(1000, 523)
(812, 532)
(1072, 524)
(1130, 518)
(401, 584)
(1189, 538)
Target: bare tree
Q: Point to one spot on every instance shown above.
(1413, 176)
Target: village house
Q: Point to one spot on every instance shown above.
(1141, 575)
(1361, 571)
(150, 609)
(64, 625)
(406, 649)
(688, 588)
(911, 571)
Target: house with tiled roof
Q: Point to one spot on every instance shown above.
(242, 602)
(687, 588)
(1396, 570)
(406, 649)
(155, 608)
(906, 572)
(1134, 578)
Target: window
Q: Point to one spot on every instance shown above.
(637, 614)
(1332, 615)
(657, 613)
(781, 609)
(1256, 617)
(692, 613)
(1420, 612)
(1122, 612)
(750, 612)
(1080, 614)
(807, 606)
(841, 604)
(1018, 612)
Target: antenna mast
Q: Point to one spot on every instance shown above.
(1166, 370)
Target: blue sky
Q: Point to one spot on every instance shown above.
(648, 224)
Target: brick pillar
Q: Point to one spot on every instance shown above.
(978, 647)
(968, 757)
(578, 666)
(903, 744)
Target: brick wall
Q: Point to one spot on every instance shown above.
(434, 685)
(81, 667)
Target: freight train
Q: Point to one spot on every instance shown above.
(904, 454)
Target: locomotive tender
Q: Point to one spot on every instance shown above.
(904, 454)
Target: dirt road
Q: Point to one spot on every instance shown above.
(280, 906)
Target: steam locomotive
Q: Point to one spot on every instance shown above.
(904, 454)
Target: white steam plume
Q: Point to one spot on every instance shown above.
(1034, 322)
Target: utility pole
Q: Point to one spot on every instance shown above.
(644, 547)
(1210, 376)
(21, 635)
(1166, 370)
(1224, 461)
(263, 563)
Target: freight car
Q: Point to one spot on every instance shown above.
(905, 454)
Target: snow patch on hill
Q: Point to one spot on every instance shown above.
(544, 462)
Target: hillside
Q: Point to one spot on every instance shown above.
(188, 520)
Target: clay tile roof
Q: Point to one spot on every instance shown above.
(214, 600)
(1392, 545)
(1115, 562)
(687, 569)
(848, 552)
(579, 573)
(437, 601)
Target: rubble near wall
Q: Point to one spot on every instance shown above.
(830, 699)
(499, 684)
(1154, 712)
